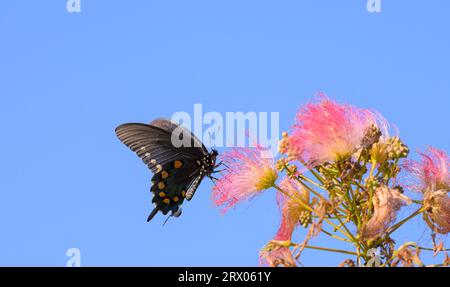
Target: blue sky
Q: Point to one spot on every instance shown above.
(67, 80)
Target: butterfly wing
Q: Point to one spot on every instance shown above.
(176, 169)
(193, 144)
(153, 144)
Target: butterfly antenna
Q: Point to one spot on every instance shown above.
(218, 130)
(167, 219)
(210, 141)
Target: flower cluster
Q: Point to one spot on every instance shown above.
(432, 177)
(342, 175)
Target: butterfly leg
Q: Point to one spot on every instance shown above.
(167, 219)
(220, 164)
(213, 178)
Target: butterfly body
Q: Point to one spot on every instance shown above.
(178, 170)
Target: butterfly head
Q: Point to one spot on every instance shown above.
(212, 158)
(209, 162)
(214, 153)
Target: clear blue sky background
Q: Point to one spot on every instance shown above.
(67, 80)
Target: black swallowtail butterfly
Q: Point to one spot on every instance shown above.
(178, 171)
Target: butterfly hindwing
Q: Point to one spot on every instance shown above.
(171, 184)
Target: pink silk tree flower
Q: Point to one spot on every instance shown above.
(249, 171)
(386, 203)
(291, 208)
(431, 172)
(432, 177)
(328, 131)
(277, 251)
(437, 207)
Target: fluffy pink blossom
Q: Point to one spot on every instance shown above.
(437, 206)
(431, 171)
(290, 207)
(432, 178)
(328, 131)
(277, 251)
(249, 171)
(386, 203)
